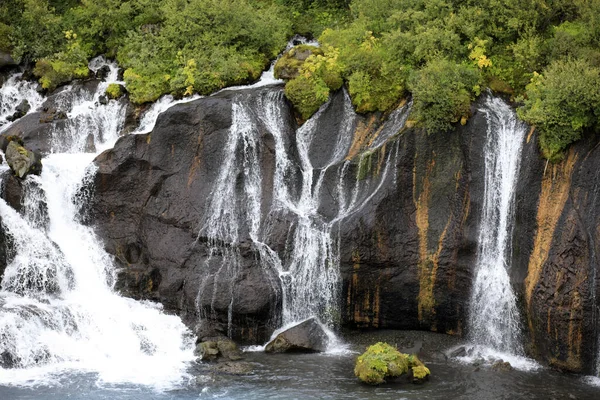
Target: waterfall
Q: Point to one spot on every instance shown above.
(12, 93)
(58, 309)
(493, 316)
(308, 269)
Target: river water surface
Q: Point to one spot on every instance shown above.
(330, 376)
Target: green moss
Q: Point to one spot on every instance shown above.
(379, 362)
(420, 372)
(114, 91)
(365, 164)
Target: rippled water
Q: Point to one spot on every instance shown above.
(323, 376)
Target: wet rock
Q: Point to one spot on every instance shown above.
(20, 111)
(12, 191)
(142, 196)
(22, 161)
(233, 368)
(207, 351)
(51, 114)
(460, 351)
(103, 100)
(306, 337)
(218, 348)
(103, 72)
(502, 366)
(6, 60)
(7, 360)
(4, 243)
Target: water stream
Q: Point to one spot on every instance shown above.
(494, 322)
(58, 310)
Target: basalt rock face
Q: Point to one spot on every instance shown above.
(408, 257)
(150, 202)
(557, 242)
(406, 254)
(407, 250)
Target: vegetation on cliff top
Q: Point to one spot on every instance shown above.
(443, 52)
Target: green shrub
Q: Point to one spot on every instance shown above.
(562, 102)
(64, 66)
(311, 73)
(5, 32)
(114, 91)
(307, 94)
(442, 94)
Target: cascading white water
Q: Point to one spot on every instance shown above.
(493, 316)
(58, 310)
(309, 269)
(12, 93)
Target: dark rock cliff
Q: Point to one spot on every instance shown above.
(555, 260)
(406, 255)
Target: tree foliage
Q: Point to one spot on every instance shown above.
(382, 50)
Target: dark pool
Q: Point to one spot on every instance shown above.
(328, 376)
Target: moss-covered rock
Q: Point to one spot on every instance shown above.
(223, 348)
(419, 372)
(382, 362)
(114, 91)
(21, 160)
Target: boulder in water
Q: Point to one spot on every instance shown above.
(102, 72)
(212, 349)
(21, 160)
(306, 337)
(383, 362)
(502, 366)
(233, 368)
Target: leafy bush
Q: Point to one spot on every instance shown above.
(562, 102)
(63, 66)
(311, 73)
(201, 46)
(114, 91)
(307, 94)
(442, 93)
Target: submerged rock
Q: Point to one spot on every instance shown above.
(218, 348)
(306, 337)
(21, 160)
(502, 366)
(233, 368)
